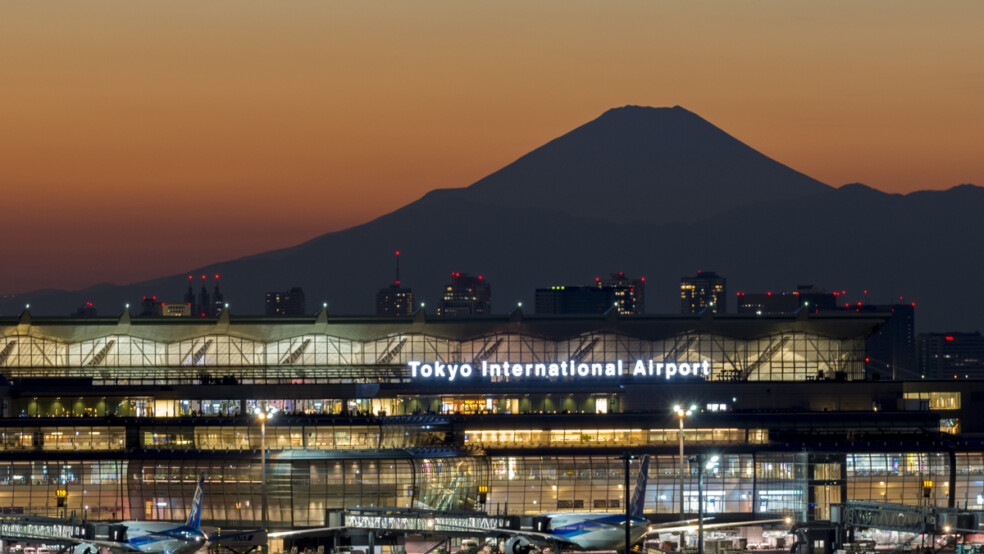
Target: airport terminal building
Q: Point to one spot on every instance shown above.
(114, 418)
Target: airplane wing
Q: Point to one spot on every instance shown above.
(533, 536)
(304, 532)
(236, 536)
(694, 526)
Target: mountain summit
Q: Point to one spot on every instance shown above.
(653, 192)
(643, 164)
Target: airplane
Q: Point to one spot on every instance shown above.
(603, 531)
(585, 531)
(154, 537)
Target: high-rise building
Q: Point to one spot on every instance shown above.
(630, 294)
(88, 309)
(205, 304)
(786, 302)
(465, 296)
(952, 355)
(150, 306)
(704, 290)
(284, 304)
(574, 300)
(891, 350)
(395, 300)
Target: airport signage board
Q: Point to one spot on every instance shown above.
(564, 370)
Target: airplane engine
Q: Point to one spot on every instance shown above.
(518, 545)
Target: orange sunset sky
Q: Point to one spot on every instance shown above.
(140, 139)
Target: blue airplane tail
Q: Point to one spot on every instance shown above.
(639, 494)
(195, 516)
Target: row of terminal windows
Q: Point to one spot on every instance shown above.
(531, 438)
(151, 407)
(300, 491)
(936, 400)
(63, 438)
(242, 437)
(221, 438)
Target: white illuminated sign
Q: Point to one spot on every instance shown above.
(568, 369)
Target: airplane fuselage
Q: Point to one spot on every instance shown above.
(596, 531)
(166, 538)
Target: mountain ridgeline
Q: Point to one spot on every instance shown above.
(653, 192)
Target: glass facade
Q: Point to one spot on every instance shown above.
(322, 358)
(300, 491)
(124, 416)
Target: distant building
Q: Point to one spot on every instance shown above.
(87, 309)
(704, 290)
(786, 302)
(284, 304)
(175, 309)
(574, 300)
(891, 350)
(630, 294)
(150, 306)
(205, 304)
(394, 301)
(951, 355)
(465, 296)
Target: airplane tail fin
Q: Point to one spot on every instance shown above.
(639, 494)
(195, 516)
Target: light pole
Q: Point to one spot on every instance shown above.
(702, 464)
(628, 500)
(263, 415)
(681, 415)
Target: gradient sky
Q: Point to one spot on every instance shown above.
(140, 139)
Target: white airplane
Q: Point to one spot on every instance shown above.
(585, 531)
(154, 537)
(603, 531)
(564, 530)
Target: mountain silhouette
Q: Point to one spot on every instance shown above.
(641, 164)
(651, 192)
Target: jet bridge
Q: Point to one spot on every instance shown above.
(53, 531)
(906, 518)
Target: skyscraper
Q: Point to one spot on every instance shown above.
(284, 304)
(205, 304)
(952, 355)
(786, 302)
(704, 290)
(465, 296)
(629, 294)
(395, 300)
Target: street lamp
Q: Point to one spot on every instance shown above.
(263, 414)
(703, 463)
(628, 500)
(682, 414)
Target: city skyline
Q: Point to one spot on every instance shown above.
(154, 136)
